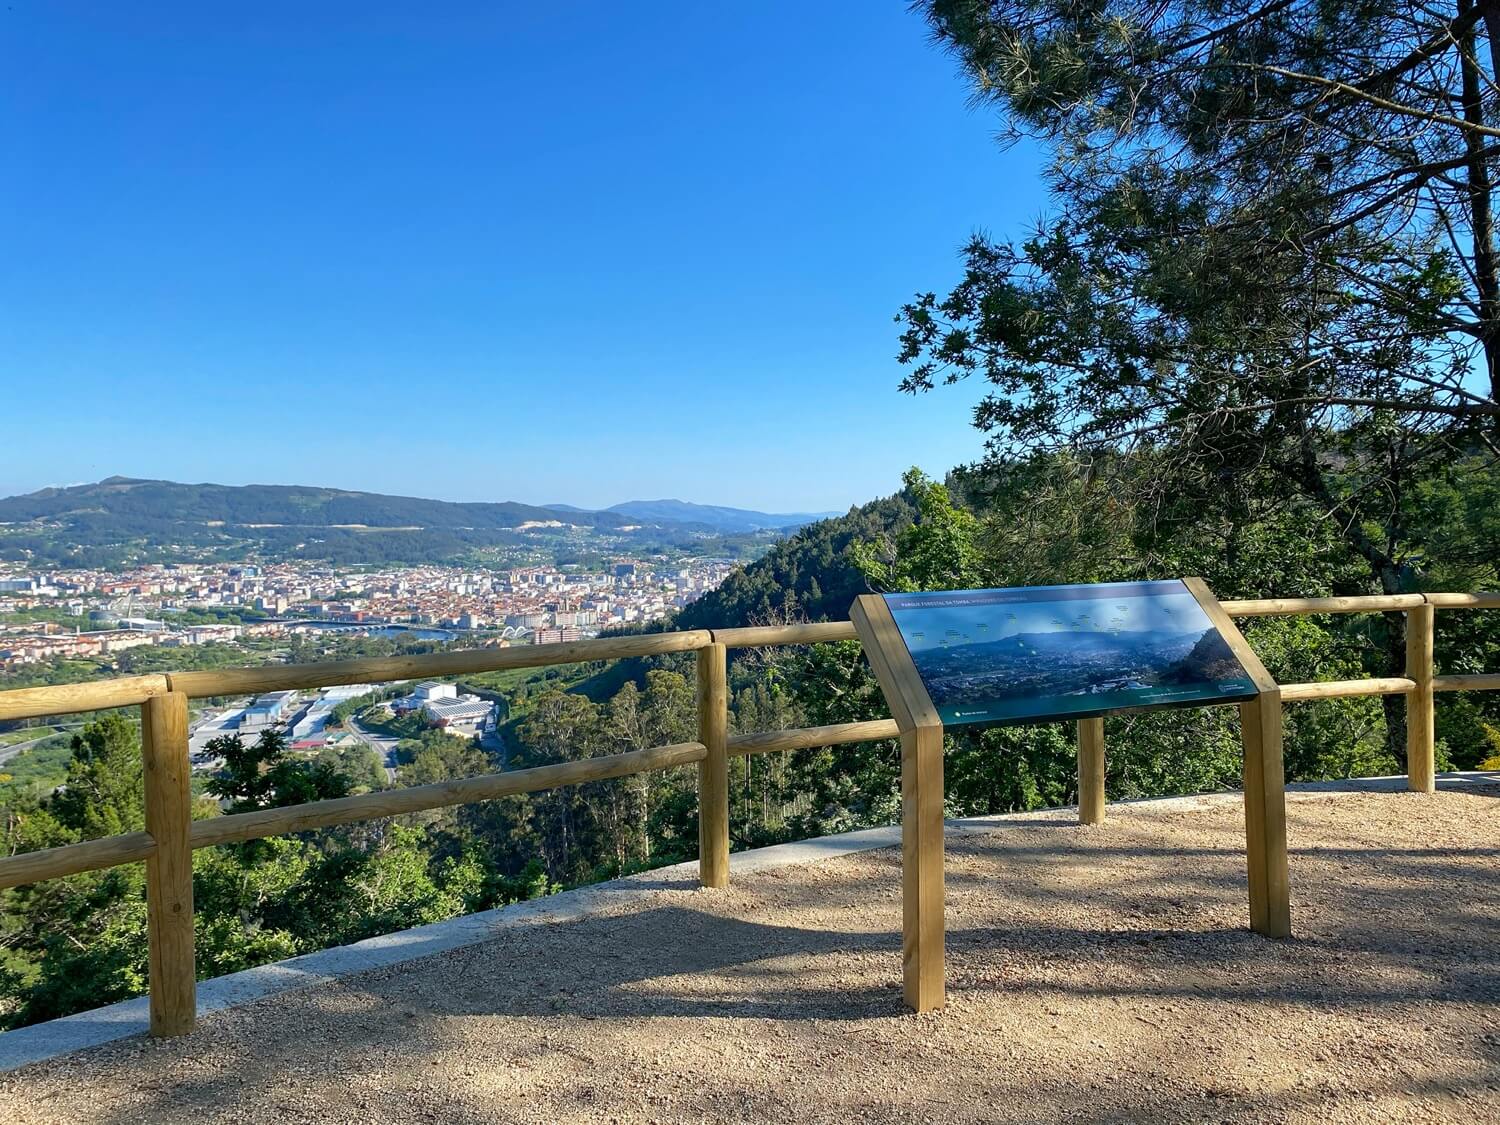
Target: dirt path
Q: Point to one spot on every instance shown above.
(1095, 975)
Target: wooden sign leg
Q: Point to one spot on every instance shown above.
(1090, 771)
(922, 867)
(1265, 816)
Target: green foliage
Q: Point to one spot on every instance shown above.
(938, 552)
(37, 770)
(807, 576)
(357, 764)
(262, 775)
(96, 954)
(103, 793)
(77, 942)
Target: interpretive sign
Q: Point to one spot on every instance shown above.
(1039, 653)
(1036, 653)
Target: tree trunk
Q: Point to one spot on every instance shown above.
(1394, 706)
(1393, 577)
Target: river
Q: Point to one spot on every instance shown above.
(408, 632)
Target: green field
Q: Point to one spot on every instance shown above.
(42, 768)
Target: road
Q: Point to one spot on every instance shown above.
(383, 744)
(9, 752)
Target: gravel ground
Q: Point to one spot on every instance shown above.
(1094, 974)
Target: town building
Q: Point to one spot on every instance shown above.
(267, 710)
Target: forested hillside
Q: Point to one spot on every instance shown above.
(127, 499)
(809, 576)
(121, 520)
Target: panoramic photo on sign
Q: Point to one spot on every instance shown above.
(1050, 652)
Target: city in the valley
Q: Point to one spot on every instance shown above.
(92, 613)
(100, 621)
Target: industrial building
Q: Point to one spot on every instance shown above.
(461, 714)
(267, 710)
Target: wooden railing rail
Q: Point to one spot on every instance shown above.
(805, 738)
(1341, 689)
(66, 699)
(112, 851)
(767, 636)
(100, 695)
(171, 836)
(1488, 681)
(238, 827)
(1481, 600)
(71, 859)
(282, 677)
(1285, 607)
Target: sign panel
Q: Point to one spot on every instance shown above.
(1035, 653)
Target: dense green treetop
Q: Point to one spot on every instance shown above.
(1269, 270)
(808, 576)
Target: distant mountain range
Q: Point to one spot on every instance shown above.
(269, 505)
(125, 517)
(728, 520)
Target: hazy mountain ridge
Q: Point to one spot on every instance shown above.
(123, 519)
(276, 504)
(716, 516)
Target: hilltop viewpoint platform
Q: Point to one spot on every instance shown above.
(1095, 974)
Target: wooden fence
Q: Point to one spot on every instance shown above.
(171, 835)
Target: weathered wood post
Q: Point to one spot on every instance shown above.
(713, 771)
(1091, 771)
(1265, 815)
(1421, 764)
(1264, 779)
(921, 804)
(169, 870)
(922, 923)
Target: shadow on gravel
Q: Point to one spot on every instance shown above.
(1163, 922)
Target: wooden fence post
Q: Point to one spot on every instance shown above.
(922, 868)
(169, 871)
(1265, 815)
(713, 771)
(1421, 767)
(1091, 771)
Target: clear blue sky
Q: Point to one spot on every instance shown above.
(585, 253)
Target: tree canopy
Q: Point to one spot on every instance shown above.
(1266, 293)
(1270, 267)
